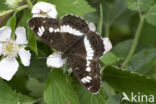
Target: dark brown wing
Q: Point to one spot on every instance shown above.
(87, 74)
(59, 34)
(84, 61)
(75, 22)
(91, 80)
(97, 44)
(48, 30)
(73, 28)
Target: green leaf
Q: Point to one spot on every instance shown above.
(114, 99)
(32, 42)
(38, 68)
(77, 7)
(151, 15)
(87, 98)
(109, 58)
(108, 90)
(142, 5)
(18, 82)
(59, 90)
(30, 35)
(121, 49)
(142, 61)
(3, 5)
(148, 37)
(92, 17)
(112, 10)
(126, 81)
(122, 24)
(12, 23)
(35, 87)
(9, 96)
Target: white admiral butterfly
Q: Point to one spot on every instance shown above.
(79, 44)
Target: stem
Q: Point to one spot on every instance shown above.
(15, 10)
(6, 12)
(135, 42)
(99, 29)
(21, 8)
(30, 4)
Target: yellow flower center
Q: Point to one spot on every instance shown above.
(43, 13)
(10, 48)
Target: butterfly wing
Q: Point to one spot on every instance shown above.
(74, 28)
(75, 22)
(91, 78)
(59, 34)
(84, 61)
(48, 30)
(96, 43)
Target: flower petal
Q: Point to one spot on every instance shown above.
(55, 60)
(107, 44)
(8, 68)
(92, 26)
(53, 12)
(21, 35)
(1, 46)
(25, 56)
(69, 70)
(47, 8)
(5, 33)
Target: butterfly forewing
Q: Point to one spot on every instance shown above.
(59, 34)
(76, 23)
(73, 28)
(48, 30)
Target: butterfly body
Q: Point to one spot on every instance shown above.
(79, 44)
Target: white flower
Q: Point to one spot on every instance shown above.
(69, 70)
(55, 60)
(43, 9)
(10, 49)
(92, 26)
(107, 43)
(12, 3)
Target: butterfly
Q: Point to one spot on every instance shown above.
(82, 47)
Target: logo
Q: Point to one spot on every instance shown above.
(138, 98)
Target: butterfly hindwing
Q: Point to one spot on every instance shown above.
(84, 61)
(97, 44)
(86, 70)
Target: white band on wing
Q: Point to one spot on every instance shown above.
(90, 53)
(69, 29)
